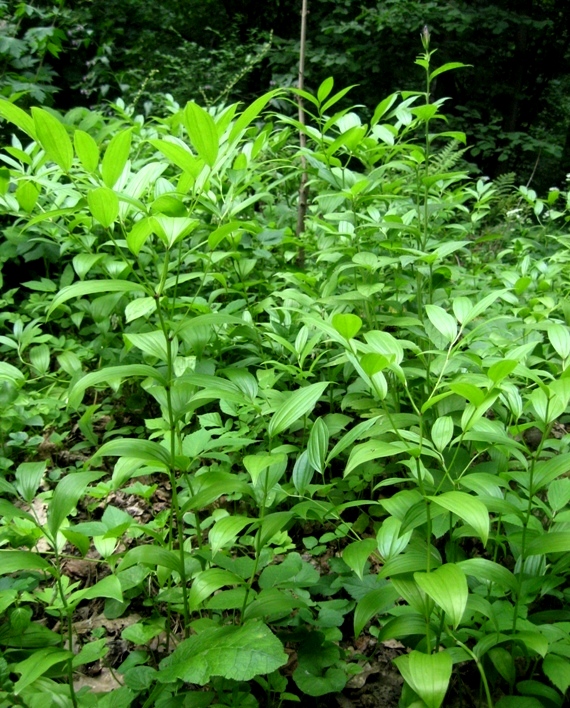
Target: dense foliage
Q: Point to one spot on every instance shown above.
(227, 451)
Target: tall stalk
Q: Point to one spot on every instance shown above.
(303, 191)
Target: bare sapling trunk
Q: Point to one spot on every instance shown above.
(302, 208)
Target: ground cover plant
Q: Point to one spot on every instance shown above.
(236, 462)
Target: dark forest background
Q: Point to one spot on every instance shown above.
(513, 102)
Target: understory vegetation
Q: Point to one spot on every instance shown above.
(236, 461)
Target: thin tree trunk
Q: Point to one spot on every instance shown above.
(302, 208)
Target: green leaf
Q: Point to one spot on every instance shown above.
(28, 478)
(152, 343)
(303, 473)
(560, 339)
(442, 321)
(93, 287)
(348, 326)
(468, 508)
(442, 432)
(66, 495)
(179, 156)
(115, 157)
(109, 587)
(36, 665)
(207, 582)
(447, 587)
(557, 668)
(504, 662)
(10, 112)
(550, 542)
(111, 373)
(370, 450)
(150, 555)
(318, 444)
(226, 530)
(202, 132)
(250, 114)
(447, 67)
(86, 150)
(53, 137)
(484, 569)
(357, 553)
(93, 651)
(14, 561)
(325, 88)
(146, 450)
(272, 603)
(501, 369)
(376, 602)
(427, 674)
(27, 195)
(238, 653)
(103, 205)
(389, 540)
(141, 307)
(298, 404)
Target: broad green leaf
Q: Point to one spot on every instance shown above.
(403, 626)
(447, 587)
(489, 571)
(298, 404)
(103, 205)
(427, 674)
(86, 150)
(375, 602)
(274, 523)
(91, 652)
(501, 369)
(111, 373)
(53, 137)
(370, 450)
(14, 561)
(234, 652)
(7, 371)
(66, 495)
(226, 531)
(36, 665)
(94, 287)
(138, 235)
(172, 229)
(115, 157)
(442, 432)
(28, 478)
(18, 117)
(462, 307)
(250, 114)
(151, 343)
(303, 473)
(348, 325)
(150, 555)
(389, 540)
(357, 553)
(207, 582)
(447, 67)
(179, 156)
(318, 444)
(325, 88)
(442, 321)
(557, 669)
(141, 307)
(384, 343)
(272, 603)
(109, 587)
(469, 509)
(146, 450)
(202, 132)
(559, 493)
(504, 662)
(560, 339)
(547, 471)
(27, 195)
(349, 438)
(550, 542)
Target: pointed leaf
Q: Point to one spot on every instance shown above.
(357, 553)
(111, 373)
(442, 321)
(557, 668)
(298, 404)
(373, 603)
(36, 665)
(86, 150)
(67, 493)
(53, 137)
(18, 117)
(92, 287)
(442, 432)
(226, 530)
(207, 582)
(427, 674)
(103, 205)
(202, 131)
(14, 561)
(318, 444)
(150, 555)
(348, 325)
(468, 508)
(138, 449)
(447, 587)
(447, 67)
(115, 157)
